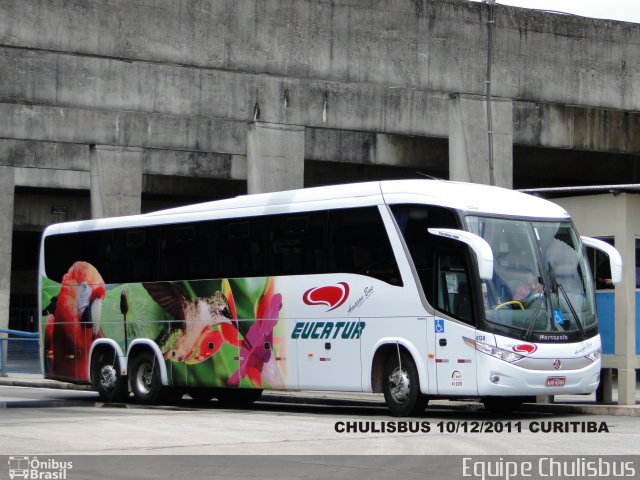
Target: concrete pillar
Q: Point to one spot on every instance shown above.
(275, 157)
(469, 143)
(116, 181)
(7, 193)
(626, 386)
(604, 393)
(625, 305)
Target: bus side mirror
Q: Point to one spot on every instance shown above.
(478, 244)
(615, 260)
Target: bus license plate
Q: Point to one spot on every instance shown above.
(556, 381)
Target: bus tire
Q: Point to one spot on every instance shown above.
(238, 397)
(502, 405)
(401, 386)
(144, 375)
(107, 380)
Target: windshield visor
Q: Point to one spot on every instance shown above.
(541, 285)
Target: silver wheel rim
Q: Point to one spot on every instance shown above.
(399, 384)
(108, 377)
(144, 378)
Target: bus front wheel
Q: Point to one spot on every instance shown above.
(145, 378)
(401, 386)
(107, 380)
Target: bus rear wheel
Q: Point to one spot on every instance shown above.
(401, 386)
(145, 378)
(107, 380)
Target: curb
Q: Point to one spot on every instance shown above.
(315, 398)
(8, 381)
(590, 409)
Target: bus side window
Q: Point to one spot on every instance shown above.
(186, 252)
(297, 244)
(240, 247)
(358, 243)
(97, 249)
(413, 222)
(453, 295)
(61, 251)
(137, 254)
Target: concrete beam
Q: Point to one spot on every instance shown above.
(344, 146)
(116, 181)
(33, 211)
(332, 173)
(55, 79)
(186, 105)
(469, 142)
(275, 157)
(572, 167)
(52, 178)
(31, 154)
(570, 127)
(66, 165)
(194, 164)
(162, 191)
(108, 127)
(435, 45)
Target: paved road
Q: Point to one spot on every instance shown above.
(36, 421)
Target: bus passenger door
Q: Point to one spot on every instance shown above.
(455, 360)
(329, 354)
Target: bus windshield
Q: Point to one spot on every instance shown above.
(541, 288)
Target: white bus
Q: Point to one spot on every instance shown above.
(415, 288)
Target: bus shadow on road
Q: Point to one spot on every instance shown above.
(454, 411)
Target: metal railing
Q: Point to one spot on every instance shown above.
(17, 336)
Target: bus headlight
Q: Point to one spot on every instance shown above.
(496, 352)
(595, 355)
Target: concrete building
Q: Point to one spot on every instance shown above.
(111, 107)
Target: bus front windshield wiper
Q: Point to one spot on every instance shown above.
(557, 287)
(536, 313)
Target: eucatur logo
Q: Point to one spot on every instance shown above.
(525, 348)
(331, 296)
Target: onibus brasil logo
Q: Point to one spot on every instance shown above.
(38, 469)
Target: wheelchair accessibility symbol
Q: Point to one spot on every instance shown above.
(439, 326)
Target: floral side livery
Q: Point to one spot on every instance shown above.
(215, 333)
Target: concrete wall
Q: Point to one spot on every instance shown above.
(436, 45)
(360, 65)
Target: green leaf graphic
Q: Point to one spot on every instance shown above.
(246, 293)
(201, 288)
(145, 318)
(215, 371)
(50, 289)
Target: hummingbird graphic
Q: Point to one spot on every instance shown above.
(193, 316)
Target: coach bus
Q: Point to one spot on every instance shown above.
(418, 289)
